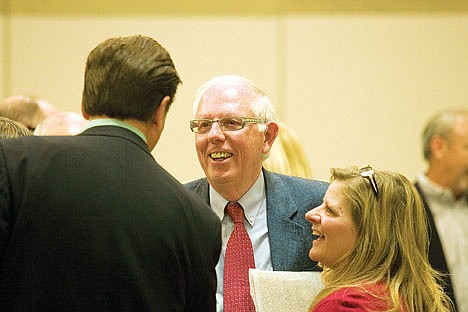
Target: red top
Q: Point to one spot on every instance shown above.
(354, 299)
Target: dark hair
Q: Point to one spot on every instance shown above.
(127, 77)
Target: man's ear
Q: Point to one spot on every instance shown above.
(271, 132)
(86, 116)
(155, 126)
(439, 146)
(161, 112)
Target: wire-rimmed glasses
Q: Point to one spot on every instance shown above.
(226, 124)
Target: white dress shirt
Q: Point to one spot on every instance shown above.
(254, 204)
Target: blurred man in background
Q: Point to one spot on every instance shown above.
(444, 189)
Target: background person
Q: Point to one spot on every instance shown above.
(10, 129)
(444, 189)
(63, 123)
(28, 110)
(234, 131)
(372, 243)
(91, 222)
(287, 155)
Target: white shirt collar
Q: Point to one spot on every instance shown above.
(251, 201)
(434, 190)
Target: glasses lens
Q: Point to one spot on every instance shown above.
(231, 123)
(200, 125)
(193, 126)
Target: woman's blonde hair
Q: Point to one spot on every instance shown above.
(287, 155)
(392, 244)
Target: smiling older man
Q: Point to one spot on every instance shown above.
(234, 132)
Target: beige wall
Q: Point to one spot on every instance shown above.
(357, 87)
(361, 87)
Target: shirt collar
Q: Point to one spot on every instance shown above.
(114, 122)
(251, 201)
(433, 189)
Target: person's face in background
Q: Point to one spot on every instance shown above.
(454, 155)
(333, 223)
(230, 156)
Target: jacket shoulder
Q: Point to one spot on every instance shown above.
(293, 182)
(195, 183)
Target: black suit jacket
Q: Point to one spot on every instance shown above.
(93, 223)
(436, 253)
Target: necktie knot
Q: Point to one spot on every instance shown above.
(235, 211)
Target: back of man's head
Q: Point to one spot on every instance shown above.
(127, 77)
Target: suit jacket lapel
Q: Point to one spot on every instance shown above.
(284, 233)
(202, 188)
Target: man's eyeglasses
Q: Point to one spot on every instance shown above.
(368, 173)
(226, 124)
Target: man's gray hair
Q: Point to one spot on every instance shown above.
(260, 105)
(441, 124)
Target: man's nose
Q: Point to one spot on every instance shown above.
(215, 131)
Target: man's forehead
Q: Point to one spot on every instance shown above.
(460, 129)
(228, 90)
(228, 95)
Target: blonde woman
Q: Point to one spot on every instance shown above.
(287, 155)
(372, 242)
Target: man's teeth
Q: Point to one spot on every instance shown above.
(220, 155)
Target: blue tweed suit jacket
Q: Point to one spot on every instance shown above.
(288, 199)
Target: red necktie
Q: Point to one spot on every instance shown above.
(237, 261)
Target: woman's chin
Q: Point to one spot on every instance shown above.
(313, 255)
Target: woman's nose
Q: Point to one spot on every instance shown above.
(313, 216)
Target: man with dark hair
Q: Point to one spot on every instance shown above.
(91, 222)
